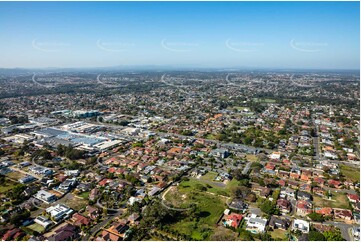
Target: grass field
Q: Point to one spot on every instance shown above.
(209, 207)
(278, 234)
(350, 172)
(339, 200)
(252, 158)
(213, 187)
(36, 227)
(84, 195)
(15, 175)
(209, 176)
(73, 202)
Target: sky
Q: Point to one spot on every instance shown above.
(298, 35)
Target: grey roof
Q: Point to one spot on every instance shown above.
(258, 220)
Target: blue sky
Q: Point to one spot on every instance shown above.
(186, 34)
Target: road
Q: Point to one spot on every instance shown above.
(345, 229)
(246, 168)
(99, 226)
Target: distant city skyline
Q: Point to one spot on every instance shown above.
(255, 35)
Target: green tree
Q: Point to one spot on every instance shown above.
(316, 236)
(316, 217)
(268, 207)
(333, 235)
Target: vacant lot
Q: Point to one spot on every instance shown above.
(251, 158)
(278, 234)
(73, 202)
(209, 176)
(36, 227)
(15, 175)
(209, 186)
(350, 172)
(208, 206)
(338, 200)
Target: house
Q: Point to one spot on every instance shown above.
(326, 211)
(232, 220)
(59, 211)
(43, 221)
(79, 220)
(13, 234)
(303, 208)
(68, 184)
(29, 191)
(301, 225)
(27, 179)
(237, 204)
(354, 198)
(304, 178)
(275, 155)
(261, 191)
(65, 233)
(305, 188)
(279, 223)
(287, 193)
(45, 196)
(294, 176)
(93, 194)
(220, 153)
(301, 195)
(319, 191)
(118, 229)
(282, 183)
(334, 183)
(92, 212)
(270, 166)
(284, 205)
(107, 236)
(342, 214)
(283, 174)
(256, 224)
(133, 218)
(293, 184)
